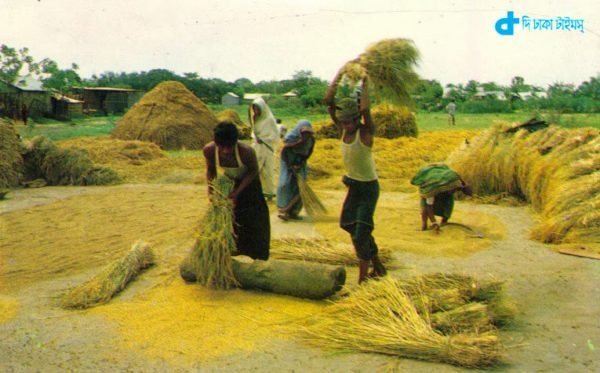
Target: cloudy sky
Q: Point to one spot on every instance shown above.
(264, 40)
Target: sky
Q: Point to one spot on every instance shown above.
(271, 40)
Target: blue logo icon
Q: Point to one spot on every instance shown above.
(506, 26)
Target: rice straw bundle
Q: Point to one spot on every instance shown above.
(468, 318)
(10, 157)
(211, 254)
(555, 169)
(388, 65)
(319, 250)
(113, 278)
(313, 206)
(380, 317)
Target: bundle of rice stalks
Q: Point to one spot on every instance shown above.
(44, 160)
(232, 116)
(312, 204)
(380, 317)
(388, 65)
(11, 162)
(113, 279)
(468, 318)
(170, 116)
(319, 250)
(554, 169)
(393, 121)
(210, 258)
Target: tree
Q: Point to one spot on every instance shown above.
(59, 79)
(13, 61)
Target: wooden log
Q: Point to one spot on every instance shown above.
(296, 278)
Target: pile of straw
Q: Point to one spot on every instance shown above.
(554, 169)
(326, 129)
(232, 116)
(319, 250)
(170, 116)
(45, 160)
(210, 258)
(113, 279)
(11, 162)
(388, 65)
(106, 150)
(382, 317)
(393, 121)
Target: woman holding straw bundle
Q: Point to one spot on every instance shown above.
(298, 147)
(266, 139)
(236, 160)
(361, 176)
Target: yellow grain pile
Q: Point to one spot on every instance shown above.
(555, 169)
(392, 121)
(8, 309)
(232, 116)
(397, 160)
(170, 116)
(10, 157)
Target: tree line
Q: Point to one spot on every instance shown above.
(427, 95)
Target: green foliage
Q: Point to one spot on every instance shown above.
(486, 105)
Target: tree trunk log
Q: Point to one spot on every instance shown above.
(296, 278)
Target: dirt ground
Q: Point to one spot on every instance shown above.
(557, 328)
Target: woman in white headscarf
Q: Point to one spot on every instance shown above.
(266, 140)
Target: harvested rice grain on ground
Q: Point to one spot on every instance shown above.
(169, 115)
(8, 309)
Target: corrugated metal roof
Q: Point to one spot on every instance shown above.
(28, 83)
(231, 94)
(67, 99)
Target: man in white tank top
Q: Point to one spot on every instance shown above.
(361, 177)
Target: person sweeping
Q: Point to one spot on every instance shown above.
(236, 160)
(437, 184)
(361, 176)
(266, 140)
(298, 147)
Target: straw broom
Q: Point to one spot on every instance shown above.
(211, 253)
(313, 206)
(319, 250)
(380, 317)
(113, 279)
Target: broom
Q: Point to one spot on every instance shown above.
(211, 254)
(102, 287)
(313, 206)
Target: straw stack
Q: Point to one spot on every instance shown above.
(111, 280)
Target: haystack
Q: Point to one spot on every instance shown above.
(45, 160)
(554, 169)
(11, 162)
(392, 121)
(170, 116)
(111, 280)
(232, 116)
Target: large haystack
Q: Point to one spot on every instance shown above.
(232, 116)
(392, 121)
(555, 169)
(170, 116)
(10, 157)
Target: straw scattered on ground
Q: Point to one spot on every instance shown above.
(169, 115)
(554, 169)
(319, 250)
(111, 280)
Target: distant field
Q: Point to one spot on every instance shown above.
(103, 126)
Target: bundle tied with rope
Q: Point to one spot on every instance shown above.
(211, 254)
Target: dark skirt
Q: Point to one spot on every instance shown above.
(252, 226)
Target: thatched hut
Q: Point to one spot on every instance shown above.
(170, 116)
